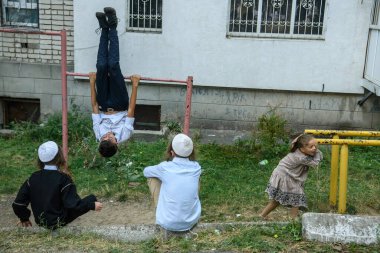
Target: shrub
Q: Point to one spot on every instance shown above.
(79, 128)
(272, 138)
(269, 139)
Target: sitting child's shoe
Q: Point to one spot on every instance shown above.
(111, 17)
(102, 20)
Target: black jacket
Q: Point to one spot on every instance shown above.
(53, 198)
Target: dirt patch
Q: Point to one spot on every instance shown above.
(113, 213)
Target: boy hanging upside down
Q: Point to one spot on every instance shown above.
(112, 112)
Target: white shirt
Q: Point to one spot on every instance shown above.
(50, 167)
(118, 123)
(178, 207)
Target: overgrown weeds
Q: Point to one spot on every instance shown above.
(270, 138)
(79, 125)
(173, 126)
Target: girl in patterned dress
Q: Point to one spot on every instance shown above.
(286, 185)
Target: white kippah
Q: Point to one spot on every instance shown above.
(47, 151)
(182, 145)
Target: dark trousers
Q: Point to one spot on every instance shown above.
(111, 91)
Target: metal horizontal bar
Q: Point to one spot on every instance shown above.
(349, 142)
(141, 78)
(8, 30)
(344, 133)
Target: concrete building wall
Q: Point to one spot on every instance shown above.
(194, 42)
(54, 15)
(221, 104)
(212, 108)
(38, 81)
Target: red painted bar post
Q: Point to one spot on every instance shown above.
(65, 134)
(189, 92)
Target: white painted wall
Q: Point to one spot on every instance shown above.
(193, 42)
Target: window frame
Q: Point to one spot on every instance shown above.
(130, 28)
(19, 5)
(290, 35)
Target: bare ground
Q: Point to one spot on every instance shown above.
(113, 213)
(133, 212)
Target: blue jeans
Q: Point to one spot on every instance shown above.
(111, 91)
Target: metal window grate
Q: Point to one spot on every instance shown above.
(243, 16)
(276, 15)
(375, 12)
(144, 15)
(309, 17)
(277, 18)
(20, 13)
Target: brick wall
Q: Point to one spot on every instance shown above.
(54, 15)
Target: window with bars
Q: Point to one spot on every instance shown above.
(20, 13)
(277, 18)
(375, 13)
(144, 15)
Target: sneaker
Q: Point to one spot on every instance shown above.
(102, 20)
(111, 17)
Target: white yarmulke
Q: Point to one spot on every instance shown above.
(47, 151)
(182, 145)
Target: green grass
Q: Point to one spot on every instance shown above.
(232, 189)
(228, 170)
(232, 182)
(17, 162)
(273, 238)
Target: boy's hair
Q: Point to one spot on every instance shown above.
(169, 157)
(58, 160)
(107, 148)
(301, 141)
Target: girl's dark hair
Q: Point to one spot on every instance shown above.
(59, 161)
(169, 157)
(301, 141)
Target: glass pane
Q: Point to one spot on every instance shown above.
(243, 16)
(276, 15)
(22, 16)
(145, 13)
(309, 17)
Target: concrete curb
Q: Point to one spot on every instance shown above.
(324, 227)
(328, 227)
(137, 233)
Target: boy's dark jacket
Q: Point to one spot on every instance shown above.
(53, 196)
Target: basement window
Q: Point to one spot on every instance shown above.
(148, 117)
(20, 109)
